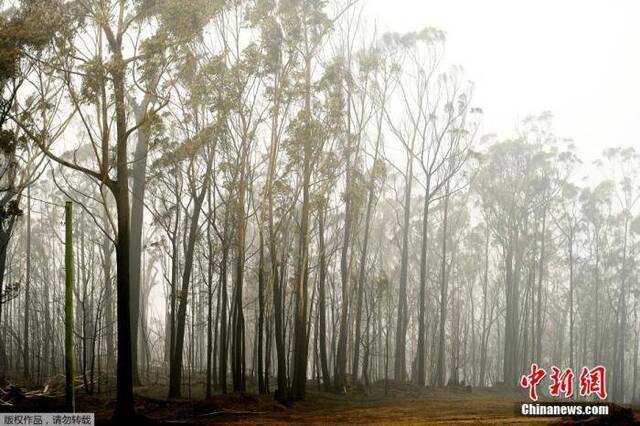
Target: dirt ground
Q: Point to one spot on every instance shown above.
(402, 404)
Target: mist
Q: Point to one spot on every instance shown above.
(275, 210)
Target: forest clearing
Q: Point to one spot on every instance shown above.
(395, 403)
(312, 211)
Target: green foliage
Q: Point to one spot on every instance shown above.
(30, 28)
(180, 20)
(332, 86)
(512, 179)
(356, 191)
(327, 171)
(288, 28)
(154, 125)
(153, 52)
(596, 201)
(428, 35)
(308, 16)
(272, 37)
(301, 129)
(189, 148)
(184, 19)
(8, 141)
(369, 60)
(378, 172)
(92, 80)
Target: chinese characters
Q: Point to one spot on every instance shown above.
(591, 381)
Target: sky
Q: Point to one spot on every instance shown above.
(578, 59)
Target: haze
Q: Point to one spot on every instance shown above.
(577, 59)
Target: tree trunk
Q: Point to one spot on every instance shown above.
(222, 308)
(237, 336)
(400, 368)
(301, 343)
(363, 264)
(208, 389)
(261, 308)
(539, 327)
(27, 292)
(322, 309)
(124, 401)
(421, 350)
(68, 312)
(175, 373)
(345, 278)
(570, 242)
(483, 339)
(441, 370)
(138, 176)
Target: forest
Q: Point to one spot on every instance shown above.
(274, 200)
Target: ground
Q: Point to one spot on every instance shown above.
(402, 404)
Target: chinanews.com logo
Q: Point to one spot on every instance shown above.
(592, 385)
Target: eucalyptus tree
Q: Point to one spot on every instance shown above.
(569, 223)
(635, 232)
(536, 129)
(429, 127)
(507, 185)
(535, 167)
(76, 58)
(596, 204)
(245, 115)
(149, 78)
(197, 191)
(24, 31)
(423, 60)
(334, 85)
(479, 246)
(376, 70)
(407, 135)
(281, 180)
(326, 175)
(621, 167)
(202, 118)
(279, 60)
(311, 25)
(452, 133)
(354, 82)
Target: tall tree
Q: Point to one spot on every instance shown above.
(114, 21)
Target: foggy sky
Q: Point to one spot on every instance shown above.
(578, 59)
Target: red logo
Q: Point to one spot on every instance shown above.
(561, 383)
(531, 381)
(592, 382)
